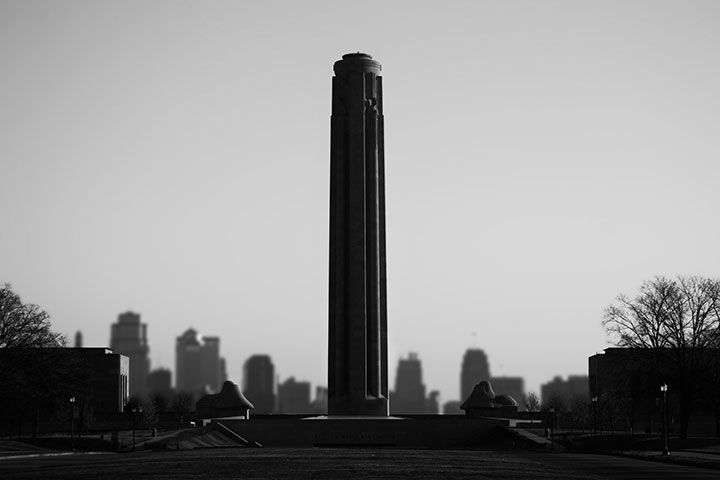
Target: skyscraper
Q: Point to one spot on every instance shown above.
(409, 394)
(357, 346)
(259, 383)
(160, 382)
(475, 369)
(433, 403)
(198, 366)
(212, 363)
(319, 404)
(223, 371)
(129, 337)
(565, 391)
(294, 397)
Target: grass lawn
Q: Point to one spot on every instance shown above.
(286, 463)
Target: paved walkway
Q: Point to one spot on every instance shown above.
(696, 458)
(621, 467)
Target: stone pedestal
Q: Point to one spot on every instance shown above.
(357, 357)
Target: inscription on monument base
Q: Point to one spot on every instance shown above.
(365, 438)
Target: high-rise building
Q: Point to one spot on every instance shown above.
(433, 403)
(475, 369)
(78, 339)
(294, 397)
(160, 382)
(129, 337)
(198, 366)
(223, 371)
(452, 407)
(212, 363)
(319, 405)
(565, 391)
(409, 394)
(513, 386)
(259, 383)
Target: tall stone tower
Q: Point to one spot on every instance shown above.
(357, 357)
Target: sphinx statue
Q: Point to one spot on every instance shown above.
(230, 402)
(483, 401)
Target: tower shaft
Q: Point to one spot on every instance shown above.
(357, 360)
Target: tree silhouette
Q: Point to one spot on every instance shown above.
(24, 325)
(182, 403)
(33, 377)
(678, 321)
(532, 404)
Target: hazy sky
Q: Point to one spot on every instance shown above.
(172, 158)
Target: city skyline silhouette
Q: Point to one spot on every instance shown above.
(208, 373)
(173, 159)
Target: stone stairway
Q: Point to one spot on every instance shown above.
(530, 438)
(212, 436)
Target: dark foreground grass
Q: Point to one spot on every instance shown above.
(287, 463)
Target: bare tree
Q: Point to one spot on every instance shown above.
(24, 325)
(161, 401)
(580, 412)
(150, 413)
(679, 321)
(182, 402)
(557, 405)
(532, 404)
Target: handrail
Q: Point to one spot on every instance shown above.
(232, 433)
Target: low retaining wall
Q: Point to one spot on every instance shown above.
(432, 432)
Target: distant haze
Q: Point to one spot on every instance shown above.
(172, 158)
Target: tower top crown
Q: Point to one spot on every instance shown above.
(357, 62)
(350, 56)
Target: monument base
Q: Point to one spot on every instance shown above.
(417, 431)
(365, 406)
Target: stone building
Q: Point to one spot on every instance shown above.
(45, 385)
(624, 385)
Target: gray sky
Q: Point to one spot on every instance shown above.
(172, 158)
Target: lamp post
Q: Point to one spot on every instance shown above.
(552, 426)
(72, 421)
(594, 404)
(663, 389)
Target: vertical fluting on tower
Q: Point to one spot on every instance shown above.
(357, 359)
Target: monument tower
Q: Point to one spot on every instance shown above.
(357, 357)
